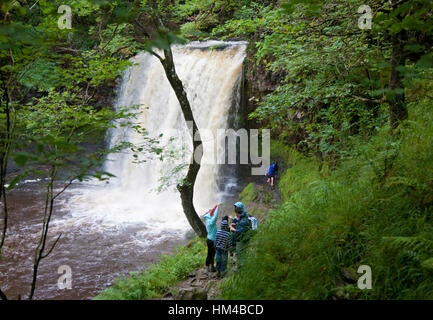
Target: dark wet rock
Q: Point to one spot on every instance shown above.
(342, 295)
(339, 282)
(192, 293)
(349, 276)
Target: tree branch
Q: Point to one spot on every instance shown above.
(156, 55)
(3, 295)
(368, 99)
(52, 247)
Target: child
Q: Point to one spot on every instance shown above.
(222, 243)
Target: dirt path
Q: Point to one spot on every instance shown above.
(200, 285)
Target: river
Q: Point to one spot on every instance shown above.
(109, 229)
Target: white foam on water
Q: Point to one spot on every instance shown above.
(210, 78)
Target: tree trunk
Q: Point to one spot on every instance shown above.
(4, 155)
(186, 189)
(40, 254)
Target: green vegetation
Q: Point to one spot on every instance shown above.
(350, 112)
(374, 209)
(248, 194)
(351, 118)
(334, 79)
(154, 281)
(252, 196)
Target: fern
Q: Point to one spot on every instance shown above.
(418, 244)
(427, 264)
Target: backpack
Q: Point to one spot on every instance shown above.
(254, 223)
(271, 169)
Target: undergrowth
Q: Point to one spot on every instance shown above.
(374, 208)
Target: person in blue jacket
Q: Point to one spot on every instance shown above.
(211, 227)
(272, 173)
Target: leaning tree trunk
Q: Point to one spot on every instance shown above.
(186, 189)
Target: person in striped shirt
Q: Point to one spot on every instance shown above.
(222, 243)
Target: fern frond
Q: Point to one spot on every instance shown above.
(427, 264)
(411, 243)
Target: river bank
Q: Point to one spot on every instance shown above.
(181, 275)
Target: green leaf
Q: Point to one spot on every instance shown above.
(14, 182)
(21, 158)
(426, 61)
(427, 264)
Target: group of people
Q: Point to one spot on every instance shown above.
(232, 236)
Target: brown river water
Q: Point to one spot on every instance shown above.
(96, 251)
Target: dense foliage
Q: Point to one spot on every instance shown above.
(349, 109)
(375, 209)
(336, 80)
(356, 103)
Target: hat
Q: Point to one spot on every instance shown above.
(239, 204)
(239, 207)
(224, 224)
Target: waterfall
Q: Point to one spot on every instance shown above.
(211, 72)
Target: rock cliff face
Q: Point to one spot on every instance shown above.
(258, 82)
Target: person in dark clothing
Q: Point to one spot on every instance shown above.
(240, 227)
(222, 243)
(210, 267)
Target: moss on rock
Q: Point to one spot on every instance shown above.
(248, 194)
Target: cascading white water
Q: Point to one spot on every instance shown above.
(110, 229)
(211, 77)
